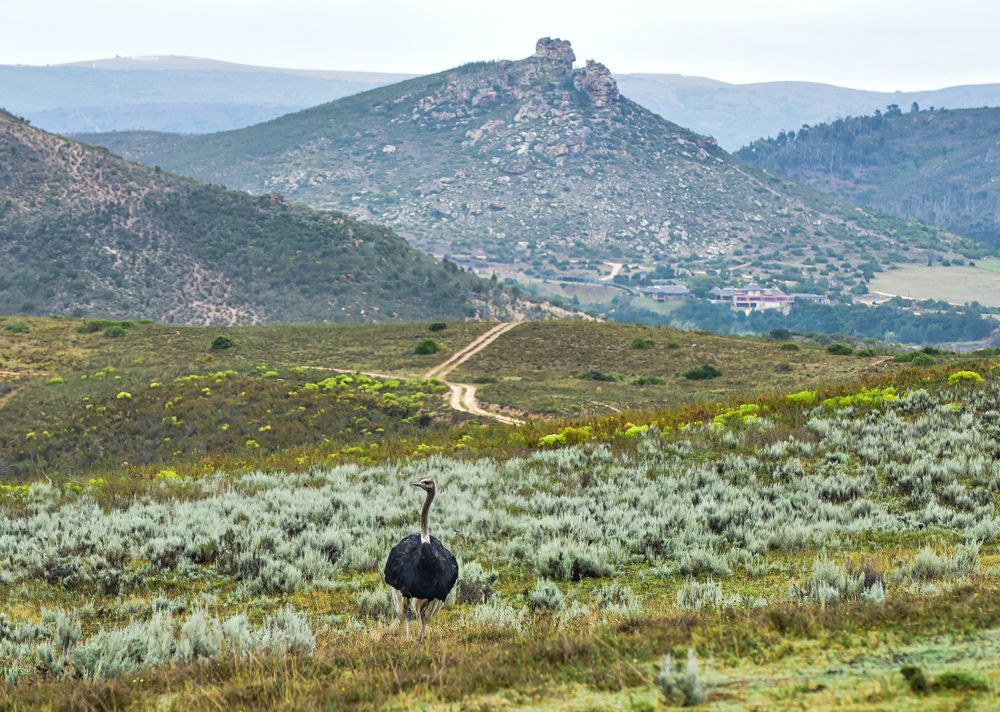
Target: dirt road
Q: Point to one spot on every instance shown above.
(463, 395)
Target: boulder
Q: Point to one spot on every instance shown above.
(555, 49)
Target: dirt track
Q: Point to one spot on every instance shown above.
(462, 396)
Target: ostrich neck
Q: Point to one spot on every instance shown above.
(425, 534)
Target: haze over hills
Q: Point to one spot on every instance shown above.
(940, 167)
(166, 93)
(198, 95)
(83, 231)
(737, 114)
(534, 164)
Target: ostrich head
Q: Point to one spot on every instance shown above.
(426, 484)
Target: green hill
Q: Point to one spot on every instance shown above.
(85, 232)
(534, 166)
(936, 166)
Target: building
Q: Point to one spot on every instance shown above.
(667, 292)
(755, 298)
(721, 294)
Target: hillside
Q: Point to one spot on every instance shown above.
(85, 232)
(534, 166)
(940, 167)
(737, 114)
(184, 94)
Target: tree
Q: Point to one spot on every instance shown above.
(914, 107)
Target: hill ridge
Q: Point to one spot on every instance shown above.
(84, 231)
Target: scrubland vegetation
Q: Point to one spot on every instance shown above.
(826, 545)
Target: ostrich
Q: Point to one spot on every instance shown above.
(420, 569)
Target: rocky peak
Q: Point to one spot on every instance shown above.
(555, 49)
(596, 81)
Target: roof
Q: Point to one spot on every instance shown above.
(666, 289)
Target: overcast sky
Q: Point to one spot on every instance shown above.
(869, 44)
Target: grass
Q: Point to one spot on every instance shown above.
(958, 285)
(784, 654)
(535, 367)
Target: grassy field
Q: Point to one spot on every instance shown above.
(806, 552)
(991, 263)
(809, 551)
(958, 285)
(587, 294)
(534, 368)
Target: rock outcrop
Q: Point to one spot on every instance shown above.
(555, 49)
(595, 81)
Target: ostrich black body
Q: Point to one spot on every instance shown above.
(421, 571)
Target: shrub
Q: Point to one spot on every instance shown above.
(643, 343)
(790, 346)
(784, 367)
(497, 613)
(964, 377)
(928, 565)
(567, 436)
(649, 381)
(376, 604)
(426, 347)
(697, 595)
(55, 380)
(803, 399)
(437, 326)
(114, 332)
(545, 596)
(917, 358)
(617, 598)
(564, 562)
(594, 374)
(221, 343)
(702, 373)
(830, 583)
(704, 561)
(840, 349)
(17, 328)
(867, 352)
(633, 431)
(915, 678)
(475, 584)
(682, 685)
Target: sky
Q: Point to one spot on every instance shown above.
(881, 45)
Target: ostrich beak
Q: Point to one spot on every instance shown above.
(417, 484)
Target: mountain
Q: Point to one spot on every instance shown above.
(197, 95)
(940, 167)
(167, 93)
(737, 114)
(533, 165)
(85, 232)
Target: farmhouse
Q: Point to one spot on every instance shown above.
(667, 292)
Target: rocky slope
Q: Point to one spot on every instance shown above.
(940, 167)
(531, 163)
(85, 232)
